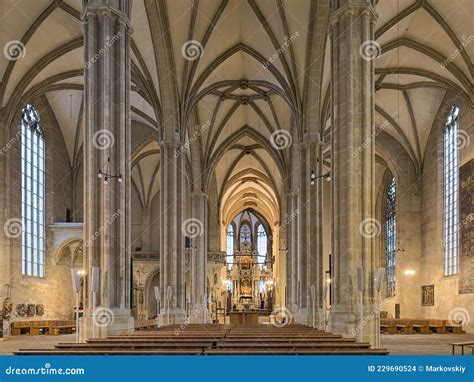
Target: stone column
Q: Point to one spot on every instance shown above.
(302, 254)
(107, 135)
(352, 97)
(172, 233)
(146, 229)
(310, 234)
(6, 144)
(199, 256)
(292, 254)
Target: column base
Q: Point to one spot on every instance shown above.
(305, 316)
(198, 314)
(107, 322)
(302, 316)
(347, 324)
(175, 316)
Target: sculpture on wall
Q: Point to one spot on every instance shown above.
(21, 309)
(7, 308)
(427, 295)
(31, 309)
(39, 309)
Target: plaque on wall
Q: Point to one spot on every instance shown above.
(427, 295)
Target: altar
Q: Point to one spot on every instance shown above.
(250, 284)
(244, 317)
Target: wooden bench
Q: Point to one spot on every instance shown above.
(461, 345)
(297, 352)
(437, 326)
(20, 327)
(39, 327)
(145, 324)
(108, 352)
(388, 326)
(63, 329)
(215, 339)
(404, 326)
(454, 327)
(420, 326)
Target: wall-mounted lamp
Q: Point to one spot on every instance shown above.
(105, 172)
(410, 272)
(313, 177)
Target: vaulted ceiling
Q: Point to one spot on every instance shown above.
(242, 73)
(426, 49)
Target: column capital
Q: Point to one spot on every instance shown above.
(93, 10)
(351, 9)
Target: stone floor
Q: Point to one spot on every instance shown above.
(11, 344)
(397, 344)
(423, 344)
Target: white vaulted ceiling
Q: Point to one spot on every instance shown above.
(244, 86)
(413, 72)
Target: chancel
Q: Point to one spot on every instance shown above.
(236, 177)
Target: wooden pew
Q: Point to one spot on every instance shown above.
(454, 327)
(388, 326)
(437, 326)
(215, 340)
(404, 326)
(420, 326)
(63, 327)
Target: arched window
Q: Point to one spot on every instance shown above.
(261, 245)
(451, 182)
(32, 192)
(230, 246)
(391, 237)
(245, 233)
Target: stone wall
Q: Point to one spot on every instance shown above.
(408, 236)
(54, 290)
(448, 301)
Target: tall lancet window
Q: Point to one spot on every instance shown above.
(32, 193)
(261, 246)
(451, 184)
(230, 246)
(391, 237)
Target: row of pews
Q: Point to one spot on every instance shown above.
(39, 327)
(422, 326)
(216, 340)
